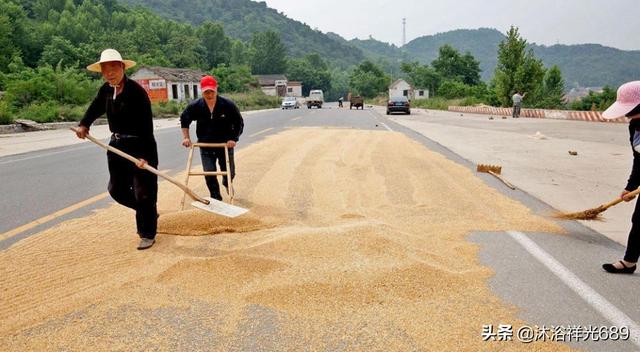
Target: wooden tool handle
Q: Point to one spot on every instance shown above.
(146, 167)
(619, 199)
(502, 179)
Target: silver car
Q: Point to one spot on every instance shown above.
(290, 103)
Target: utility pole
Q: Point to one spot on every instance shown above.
(404, 31)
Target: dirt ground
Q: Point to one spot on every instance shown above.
(355, 241)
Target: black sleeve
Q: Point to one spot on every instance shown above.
(237, 123)
(634, 178)
(97, 108)
(186, 117)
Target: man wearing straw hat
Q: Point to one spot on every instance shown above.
(129, 115)
(218, 120)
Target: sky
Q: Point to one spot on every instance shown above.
(614, 23)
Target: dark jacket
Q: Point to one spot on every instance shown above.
(223, 124)
(634, 178)
(129, 114)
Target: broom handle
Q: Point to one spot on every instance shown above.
(618, 200)
(146, 167)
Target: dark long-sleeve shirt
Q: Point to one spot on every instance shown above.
(129, 114)
(224, 124)
(634, 179)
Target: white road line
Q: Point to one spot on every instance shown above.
(261, 132)
(385, 126)
(41, 155)
(599, 303)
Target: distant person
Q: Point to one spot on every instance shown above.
(517, 104)
(218, 120)
(628, 104)
(129, 115)
(340, 102)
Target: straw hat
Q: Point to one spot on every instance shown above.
(110, 55)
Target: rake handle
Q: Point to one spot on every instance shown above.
(146, 167)
(618, 200)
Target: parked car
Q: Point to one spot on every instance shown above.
(399, 104)
(356, 102)
(290, 103)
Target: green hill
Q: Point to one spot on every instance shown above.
(585, 65)
(242, 18)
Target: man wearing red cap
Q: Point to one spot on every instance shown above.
(218, 120)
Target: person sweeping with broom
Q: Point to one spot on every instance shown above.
(129, 115)
(628, 104)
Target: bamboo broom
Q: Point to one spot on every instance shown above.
(594, 213)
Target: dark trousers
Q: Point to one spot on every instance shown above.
(633, 243)
(209, 158)
(134, 188)
(516, 110)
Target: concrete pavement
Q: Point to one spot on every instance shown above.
(534, 156)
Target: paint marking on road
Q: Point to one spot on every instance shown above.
(296, 118)
(261, 132)
(80, 146)
(385, 126)
(599, 303)
(59, 213)
(52, 216)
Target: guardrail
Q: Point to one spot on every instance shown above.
(593, 116)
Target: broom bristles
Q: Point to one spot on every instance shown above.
(589, 214)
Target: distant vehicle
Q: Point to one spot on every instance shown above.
(399, 104)
(356, 102)
(316, 98)
(290, 103)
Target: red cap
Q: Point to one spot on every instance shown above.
(208, 83)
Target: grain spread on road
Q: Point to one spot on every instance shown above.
(355, 240)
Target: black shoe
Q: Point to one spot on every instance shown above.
(217, 197)
(625, 269)
(146, 243)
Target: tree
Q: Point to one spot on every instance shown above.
(268, 53)
(184, 49)
(60, 51)
(312, 71)
(239, 53)
(233, 78)
(422, 76)
(553, 88)
(517, 70)
(217, 46)
(453, 66)
(368, 80)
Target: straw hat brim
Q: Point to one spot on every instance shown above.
(95, 67)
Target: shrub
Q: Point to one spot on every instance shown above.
(254, 100)
(437, 103)
(5, 114)
(168, 108)
(40, 112)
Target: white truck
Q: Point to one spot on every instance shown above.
(316, 98)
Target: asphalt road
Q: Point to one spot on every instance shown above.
(554, 281)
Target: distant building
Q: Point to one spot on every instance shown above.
(580, 92)
(402, 88)
(279, 85)
(169, 84)
(294, 89)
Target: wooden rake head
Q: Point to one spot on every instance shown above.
(496, 169)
